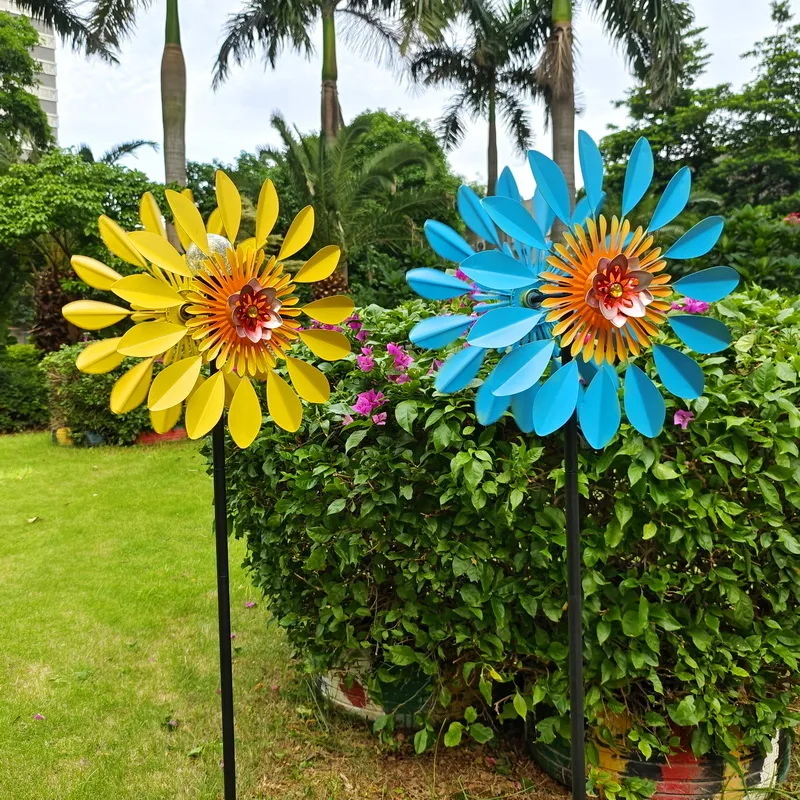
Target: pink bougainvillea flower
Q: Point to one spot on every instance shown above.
(366, 363)
(691, 306)
(368, 401)
(436, 364)
(402, 360)
(249, 604)
(401, 378)
(379, 419)
(362, 335)
(683, 418)
(354, 322)
(347, 420)
(39, 717)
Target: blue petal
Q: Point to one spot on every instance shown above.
(550, 181)
(591, 169)
(674, 199)
(542, 213)
(699, 240)
(459, 370)
(515, 220)
(523, 366)
(599, 412)
(612, 373)
(522, 408)
(587, 369)
(582, 211)
(701, 334)
(503, 327)
(445, 242)
(475, 218)
(680, 374)
(644, 405)
(638, 175)
(436, 332)
(708, 285)
(488, 407)
(493, 269)
(507, 186)
(435, 285)
(555, 403)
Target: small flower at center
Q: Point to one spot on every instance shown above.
(619, 289)
(254, 311)
(616, 290)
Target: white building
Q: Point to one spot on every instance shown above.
(45, 54)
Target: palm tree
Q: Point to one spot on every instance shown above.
(355, 199)
(277, 25)
(490, 77)
(111, 21)
(117, 152)
(650, 35)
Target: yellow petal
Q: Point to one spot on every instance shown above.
(328, 345)
(330, 310)
(188, 217)
(116, 240)
(244, 417)
(147, 292)
(100, 357)
(151, 339)
(283, 403)
(320, 266)
(214, 224)
(267, 212)
(310, 383)
(94, 273)
(205, 406)
(299, 233)
(230, 204)
(164, 421)
(150, 215)
(131, 389)
(92, 315)
(157, 249)
(174, 383)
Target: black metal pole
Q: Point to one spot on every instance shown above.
(574, 606)
(224, 608)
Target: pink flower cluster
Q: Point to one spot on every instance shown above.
(355, 324)
(691, 306)
(401, 361)
(366, 363)
(793, 218)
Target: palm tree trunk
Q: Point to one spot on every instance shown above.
(173, 99)
(562, 86)
(331, 112)
(491, 166)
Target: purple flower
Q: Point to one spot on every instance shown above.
(401, 378)
(366, 363)
(249, 604)
(347, 420)
(354, 322)
(402, 360)
(436, 365)
(379, 419)
(39, 717)
(683, 418)
(362, 335)
(691, 306)
(368, 401)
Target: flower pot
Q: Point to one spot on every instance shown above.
(63, 437)
(151, 437)
(348, 690)
(681, 776)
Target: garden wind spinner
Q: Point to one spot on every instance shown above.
(602, 295)
(229, 307)
(582, 310)
(226, 305)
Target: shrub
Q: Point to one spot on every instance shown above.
(429, 543)
(80, 402)
(23, 391)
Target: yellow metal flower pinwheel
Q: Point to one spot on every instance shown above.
(230, 306)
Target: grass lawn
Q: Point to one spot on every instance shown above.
(108, 632)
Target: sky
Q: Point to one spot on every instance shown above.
(104, 105)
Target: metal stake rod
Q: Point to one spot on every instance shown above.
(224, 608)
(574, 606)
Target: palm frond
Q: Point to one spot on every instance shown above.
(451, 126)
(114, 154)
(112, 20)
(375, 37)
(516, 119)
(273, 25)
(442, 65)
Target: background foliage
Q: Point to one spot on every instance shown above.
(23, 391)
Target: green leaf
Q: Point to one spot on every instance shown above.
(336, 506)
(520, 706)
(471, 595)
(442, 436)
(453, 736)
(684, 713)
(354, 439)
(770, 493)
(623, 512)
(481, 733)
(664, 472)
(402, 655)
(405, 413)
(470, 715)
(421, 741)
(603, 630)
(649, 530)
(765, 378)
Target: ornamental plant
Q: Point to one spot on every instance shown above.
(393, 526)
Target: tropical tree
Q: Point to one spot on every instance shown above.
(71, 26)
(356, 202)
(379, 27)
(111, 22)
(650, 34)
(114, 154)
(489, 74)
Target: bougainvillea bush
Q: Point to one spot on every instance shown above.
(392, 526)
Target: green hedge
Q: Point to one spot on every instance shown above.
(434, 545)
(23, 390)
(80, 402)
